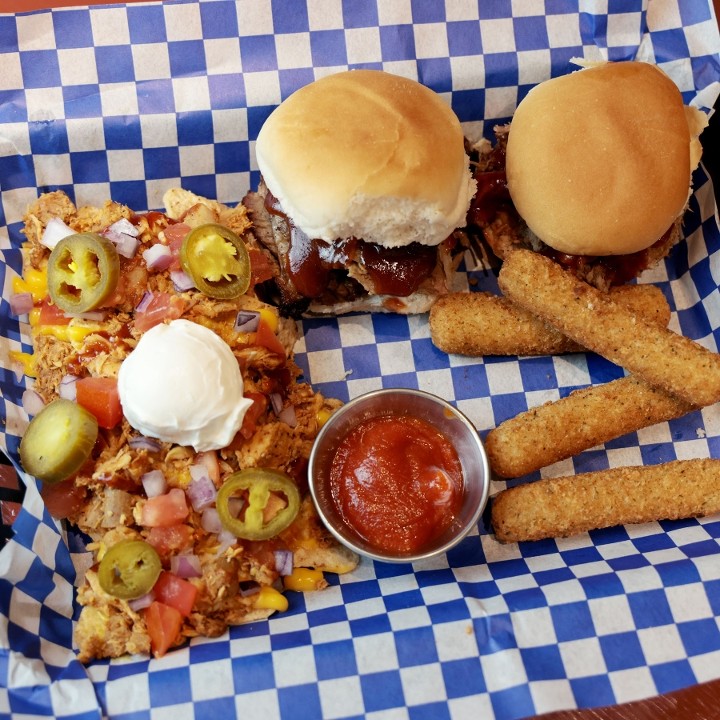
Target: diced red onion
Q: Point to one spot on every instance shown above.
(91, 315)
(288, 416)
(284, 562)
(181, 280)
(201, 491)
(126, 245)
(68, 389)
(227, 539)
(198, 471)
(140, 442)
(54, 232)
(185, 566)
(210, 520)
(124, 226)
(276, 401)
(209, 460)
(145, 301)
(158, 257)
(21, 303)
(154, 483)
(248, 588)
(144, 601)
(247, 321)
(32, 402)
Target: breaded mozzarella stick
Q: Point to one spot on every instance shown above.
(558, 430)
(657, 355)
(478, 323)
(564, 506)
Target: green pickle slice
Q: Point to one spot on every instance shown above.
(217, 261)
(129, 569)
(260, 517)
(83, 271)
(58, 441)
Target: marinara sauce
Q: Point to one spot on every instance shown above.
(397, 482)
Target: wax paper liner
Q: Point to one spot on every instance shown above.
(126, 101)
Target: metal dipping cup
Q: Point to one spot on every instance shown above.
(433, 410)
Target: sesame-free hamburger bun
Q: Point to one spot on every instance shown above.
(599, 162)
(370, 155)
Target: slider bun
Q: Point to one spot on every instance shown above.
(368, 154)
(599, 161)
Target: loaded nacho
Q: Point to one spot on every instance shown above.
(169, 423)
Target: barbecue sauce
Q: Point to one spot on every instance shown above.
(492, 195)
(310, 261)
(622, 268)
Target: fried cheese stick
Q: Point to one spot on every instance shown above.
(560, 429)
(564, 506)
(659, 356)
(479, 323)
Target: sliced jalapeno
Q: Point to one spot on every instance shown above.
(58, 441)
(270, 502)
(129, 569)
(83, 272)
(217, 261)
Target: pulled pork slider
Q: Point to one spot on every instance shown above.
(598, 167)
(365, 179)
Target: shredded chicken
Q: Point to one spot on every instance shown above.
(111, 482)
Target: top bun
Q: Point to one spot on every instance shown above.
(599, 161)
(367, 154)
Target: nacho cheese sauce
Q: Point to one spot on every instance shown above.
(397, 482)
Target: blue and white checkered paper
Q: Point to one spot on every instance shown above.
(124, 102)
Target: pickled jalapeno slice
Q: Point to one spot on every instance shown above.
(257, 503)
(58, 441)
(217, 261)
(83, 272)
(129, 569)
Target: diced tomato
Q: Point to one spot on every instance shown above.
(249, 423)
(63, 499)
(165, 510)
(163, 306)
(164, 624)
(260, 267)
(171, 539)
(176, 592)
(100, 396)
(51, 314)
(175, 234)
(266, 338)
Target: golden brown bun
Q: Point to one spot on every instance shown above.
(368, 154)
(599, 161)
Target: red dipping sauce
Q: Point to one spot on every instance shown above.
(397, 482)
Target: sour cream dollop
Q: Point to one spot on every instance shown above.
(182, 384)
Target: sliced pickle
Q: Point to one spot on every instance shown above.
(58, 441)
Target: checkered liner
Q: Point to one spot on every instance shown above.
(126, 101)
